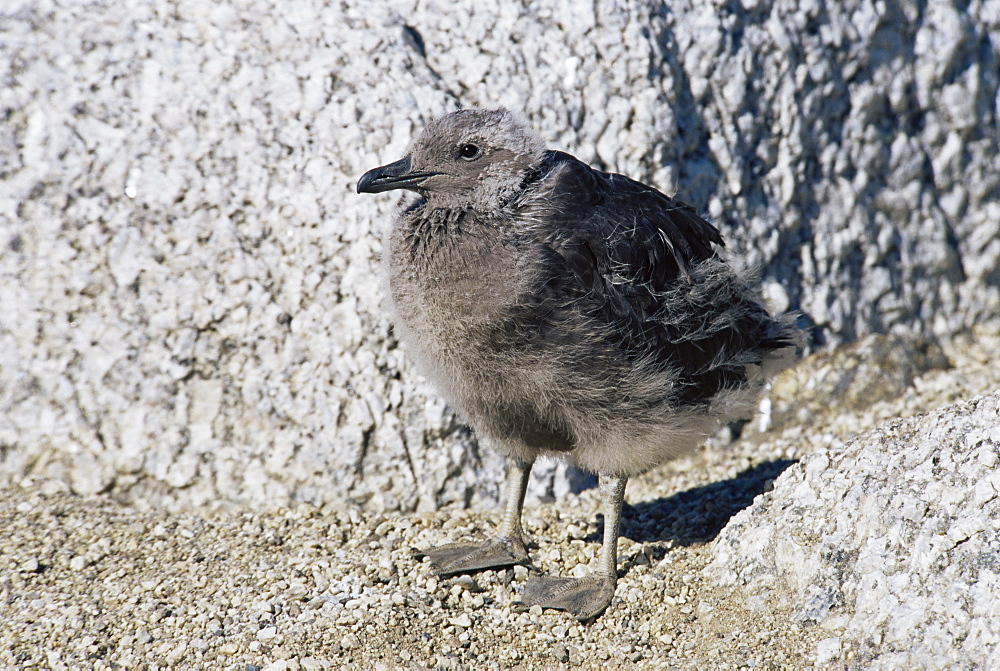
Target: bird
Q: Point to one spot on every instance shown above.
(568, 312)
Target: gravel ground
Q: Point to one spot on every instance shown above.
(89, 583)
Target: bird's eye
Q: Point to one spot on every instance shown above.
(470, 152)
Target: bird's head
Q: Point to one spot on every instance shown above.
(468, 159)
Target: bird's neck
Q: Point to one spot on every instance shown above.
(432, 221)
(431, 235)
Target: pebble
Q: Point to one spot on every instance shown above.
(462, 620)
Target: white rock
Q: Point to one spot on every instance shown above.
(896, 583)
(462, 620)
(192, 308)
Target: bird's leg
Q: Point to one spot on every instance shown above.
(586, 598)
(506, 550)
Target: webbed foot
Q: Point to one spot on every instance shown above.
(458, 558)
(585, 598)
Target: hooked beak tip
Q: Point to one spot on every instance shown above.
(392, 176)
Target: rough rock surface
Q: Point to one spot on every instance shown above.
(890, 543)
(88, 583)
(191, 313)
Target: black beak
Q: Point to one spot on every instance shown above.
(393, 176)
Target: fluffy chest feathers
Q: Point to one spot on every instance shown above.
(455, 274)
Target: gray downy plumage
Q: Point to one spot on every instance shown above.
(570, 312)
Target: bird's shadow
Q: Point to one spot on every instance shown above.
(695, 515)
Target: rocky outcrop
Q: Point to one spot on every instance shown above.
(190, 312)
(889, 542)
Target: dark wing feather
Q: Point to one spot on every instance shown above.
(630, 230)
(624, 253)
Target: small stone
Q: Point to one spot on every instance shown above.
(828, 650)
(78, 563)
(575, 656)
(350, 642)
(462, 620)
(267, 633)
(468, 583)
